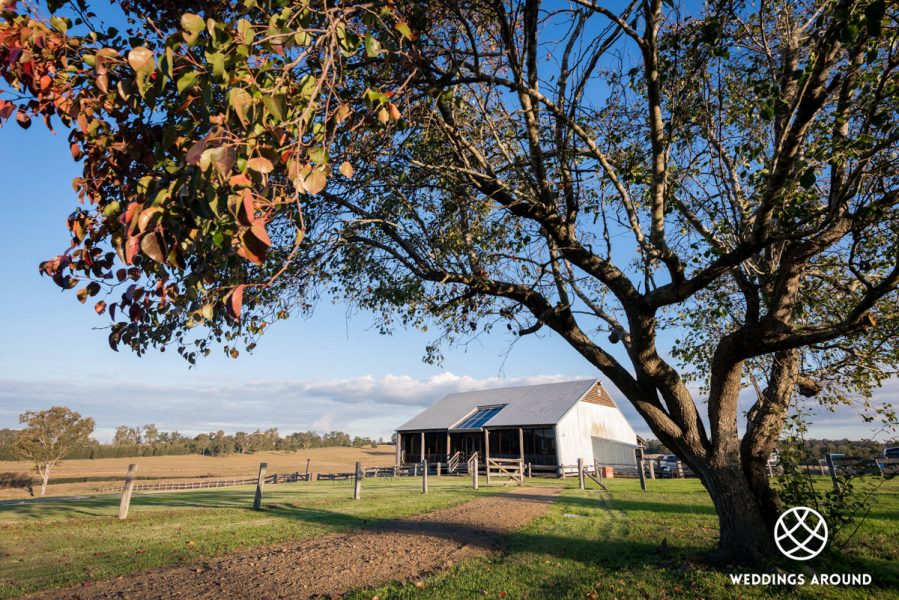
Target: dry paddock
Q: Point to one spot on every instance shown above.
(104, 472)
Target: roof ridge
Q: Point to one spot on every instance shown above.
(532, 385)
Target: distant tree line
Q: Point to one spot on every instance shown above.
(814, 449)
(148, 440)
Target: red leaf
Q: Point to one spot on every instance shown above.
(100, 307)
(234, 302)
(258, 230)
(132, 248)
(240, 181)
(76, 152)
(193, 155)
(128, 215)
(246, 210)
(151, 245)
(260, 164)
(23, 119)
(254, 244)
(6, 109)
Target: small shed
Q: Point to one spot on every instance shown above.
(548, 426)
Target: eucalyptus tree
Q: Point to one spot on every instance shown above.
(48, 436)
(727, 173)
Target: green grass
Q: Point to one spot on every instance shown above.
(632, 545)
(589, 546)
(58, 543)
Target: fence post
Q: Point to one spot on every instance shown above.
(474, 473)
(424, 477)
(652, 469)
(521, 472)
(260, 483)
(308, 460)
(680, 470)
(833, 471)
(529, 471)
(438, 469)
(415, 470)
(580, 472)
(640, 466)
(126, 492)
(357, 487)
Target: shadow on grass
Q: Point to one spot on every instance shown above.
(580, 545)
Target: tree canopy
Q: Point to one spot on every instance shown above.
(49, 435)
(728, 172)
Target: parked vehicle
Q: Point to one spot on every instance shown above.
(891, 452)
(668, 465)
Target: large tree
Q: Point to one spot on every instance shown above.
(49, 435)
(728, 173)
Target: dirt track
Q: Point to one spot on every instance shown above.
(332, 565)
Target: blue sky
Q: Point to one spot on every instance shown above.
(331, 371)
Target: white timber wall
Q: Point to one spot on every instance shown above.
(575, 431)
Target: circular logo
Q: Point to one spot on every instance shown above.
(801, 533)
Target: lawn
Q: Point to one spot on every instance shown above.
(644, 545)
(589, 545)
(57, 543)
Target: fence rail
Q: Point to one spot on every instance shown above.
(174, 486)
(510, 468)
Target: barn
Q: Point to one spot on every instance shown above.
(547, 426)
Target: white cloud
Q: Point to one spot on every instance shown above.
(363, 405)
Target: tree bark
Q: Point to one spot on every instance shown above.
(745, 524)
(45, 478)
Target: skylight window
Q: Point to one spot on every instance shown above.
(477, 419)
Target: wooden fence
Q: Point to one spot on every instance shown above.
(512, 469)
(174, 486)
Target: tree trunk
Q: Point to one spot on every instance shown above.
(745, 524)
(45, 477)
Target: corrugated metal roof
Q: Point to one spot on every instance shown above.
(526, 405)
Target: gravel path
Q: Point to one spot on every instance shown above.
(335, 564)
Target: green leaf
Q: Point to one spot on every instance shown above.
(849, 34)
(807, 179)
(307, 86)
(207, 311)
(186, 81)
(874, 14)
(60, 23)
(372, 47)
(404, 30)
(275, 105)
(193, 23)
(142, 60)
(240, 100)
(245, 29)
(315, 182)
(218, 66)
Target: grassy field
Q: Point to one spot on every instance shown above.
(110, 471)
(589, 545)
(57, 543)
(644, 545)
